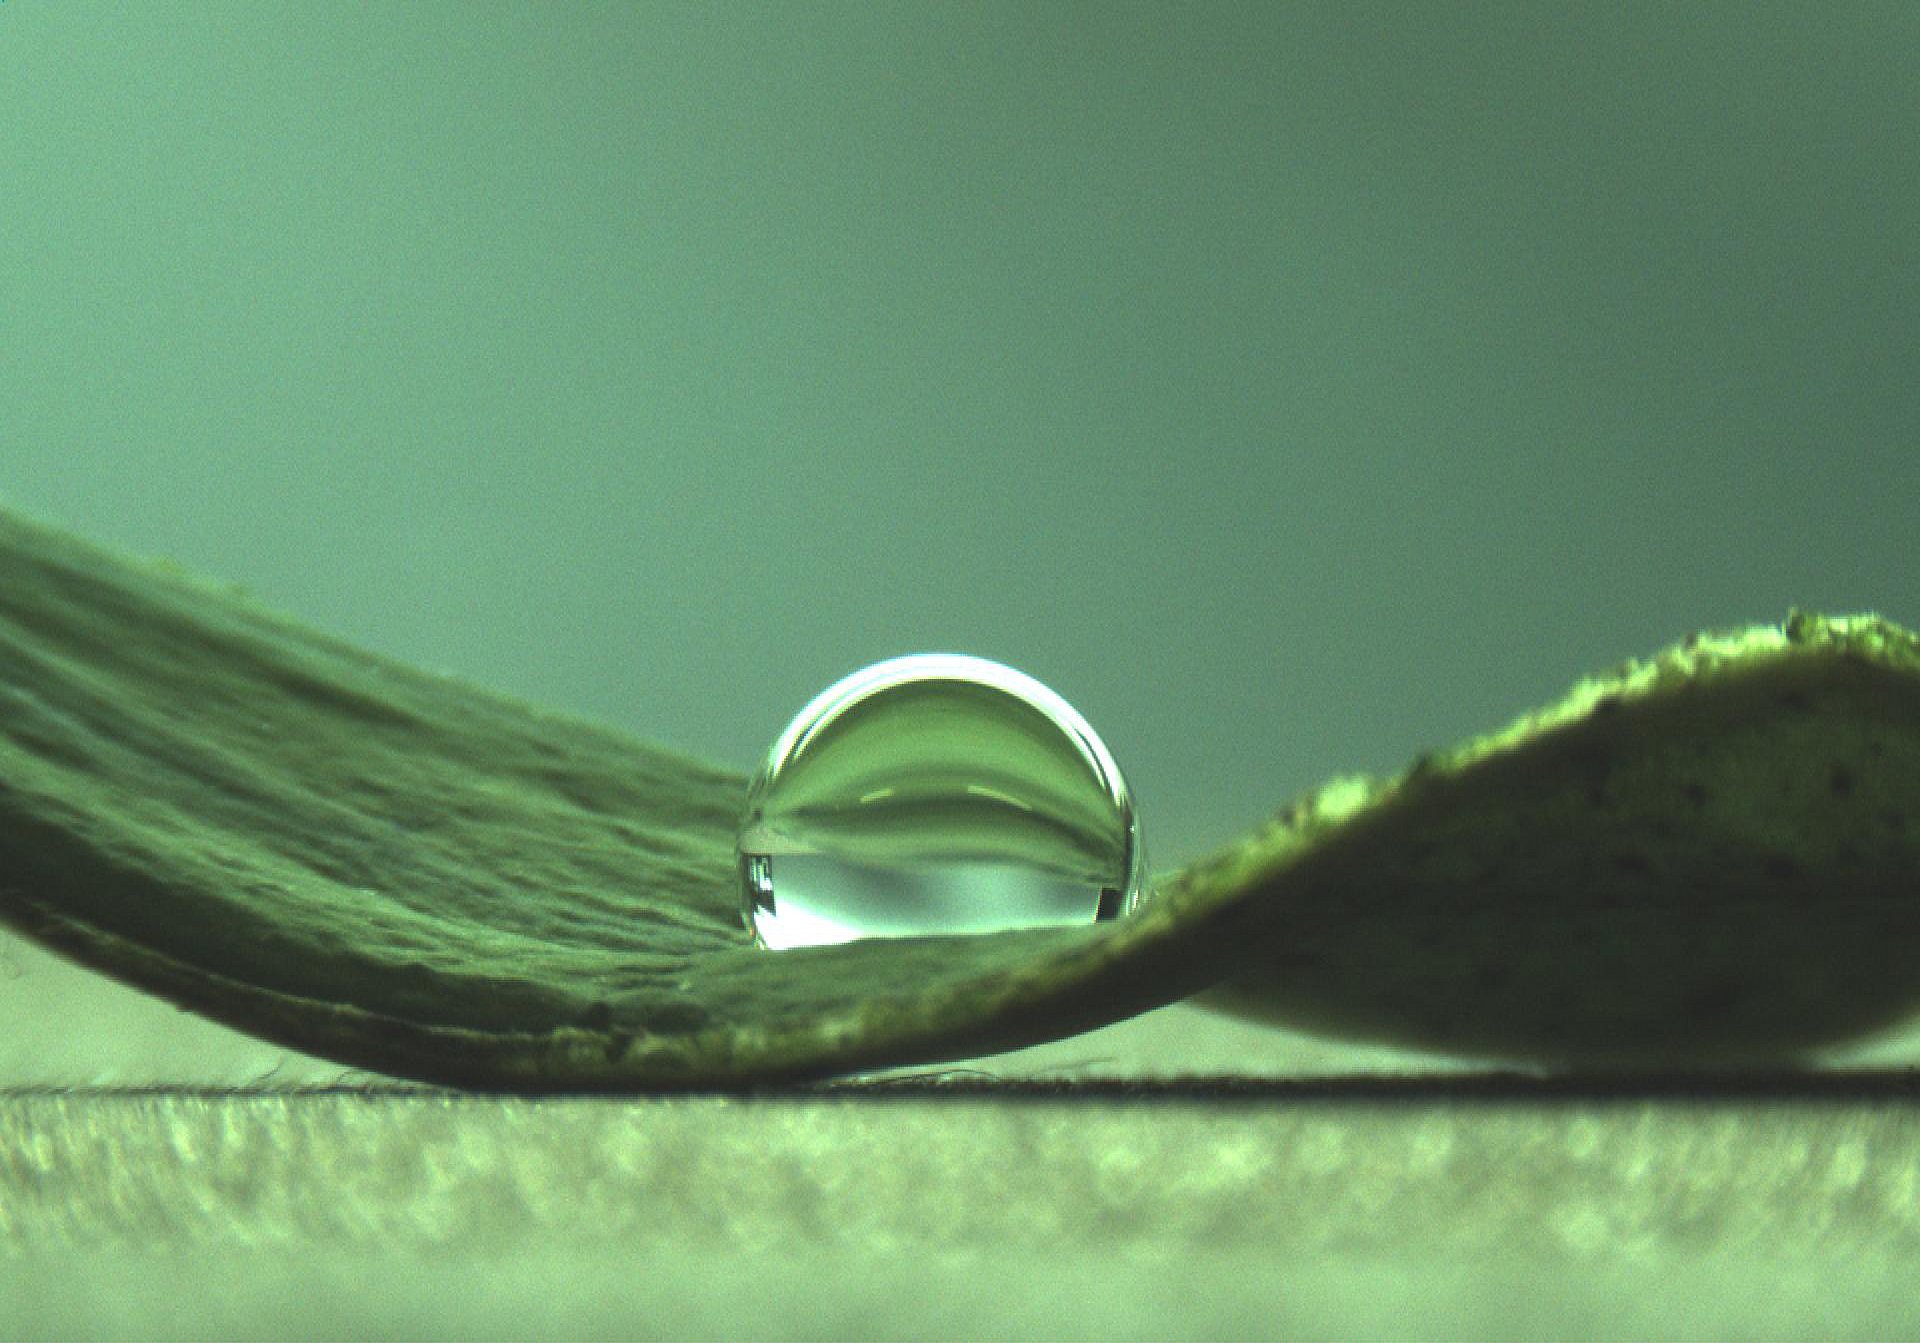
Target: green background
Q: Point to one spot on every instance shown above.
(1292, 387)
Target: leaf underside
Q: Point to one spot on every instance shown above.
(1710, 856)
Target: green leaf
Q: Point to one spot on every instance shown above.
(1708, 856)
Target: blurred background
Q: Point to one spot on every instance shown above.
(1292, 387)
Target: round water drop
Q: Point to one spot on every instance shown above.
(935, 794)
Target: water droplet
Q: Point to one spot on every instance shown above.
(935, 794)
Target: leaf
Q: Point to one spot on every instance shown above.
(1708, 855)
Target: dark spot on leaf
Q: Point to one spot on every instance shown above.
(1696, 793)
(1841, 781)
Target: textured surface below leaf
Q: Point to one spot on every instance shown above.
(1409, 1211)
(1709, 856)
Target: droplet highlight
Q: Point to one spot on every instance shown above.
(935, 794)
